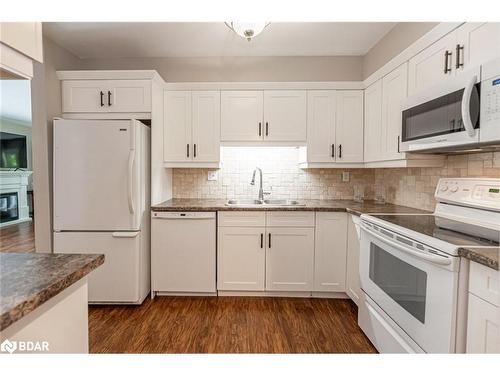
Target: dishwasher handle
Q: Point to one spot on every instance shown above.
(183, 215)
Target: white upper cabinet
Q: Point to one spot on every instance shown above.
(177, 126)
(349, 127)
(285, 115)
(394, 91)
(373, 122)
(128, 96)
(330, 252)
(466, 47)
(25, 37)
(206, 126)
(96, 96)
(191, 128)
(242, 115)
(321, 116)
(272, 116)
(433, 65)
(477, 43)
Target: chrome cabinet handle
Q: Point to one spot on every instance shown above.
(458, 62)
(447, 56)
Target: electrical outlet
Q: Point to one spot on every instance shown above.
(345, 176)
(212, 176)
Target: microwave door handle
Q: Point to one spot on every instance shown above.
(415, 253)
(469, 127)
(130, 181)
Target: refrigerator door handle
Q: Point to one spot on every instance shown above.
(125, 234)
(131, 158)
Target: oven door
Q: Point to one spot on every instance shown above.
(443, 117)
(417, 291)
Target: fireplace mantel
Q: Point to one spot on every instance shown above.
(16, 182)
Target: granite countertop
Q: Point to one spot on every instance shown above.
(333, 205)
(28, 280)
(487, 256)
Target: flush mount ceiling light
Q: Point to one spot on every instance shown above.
(247, 30)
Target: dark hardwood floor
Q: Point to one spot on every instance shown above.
(18, 238)
(228, 325)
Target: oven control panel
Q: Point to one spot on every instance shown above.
(473, 192)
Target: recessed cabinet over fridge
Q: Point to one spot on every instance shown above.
(269, 116)
(192, 129)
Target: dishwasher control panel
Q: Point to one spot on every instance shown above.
(182, 215)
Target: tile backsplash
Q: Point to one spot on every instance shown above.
(413, 187)
(282, 177)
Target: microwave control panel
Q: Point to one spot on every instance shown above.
(490, 102)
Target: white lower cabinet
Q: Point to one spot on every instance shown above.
(353, 288)
(289, 259)
(483, 320)
(330, 252)
(241, 258)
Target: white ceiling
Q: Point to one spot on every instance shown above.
(203, 39)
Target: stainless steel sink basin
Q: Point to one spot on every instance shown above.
(267, 202)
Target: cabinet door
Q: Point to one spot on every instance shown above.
(285, 115)
(128, 95)
(321, 110)
(177, 126)
(480, 42)
(84, 96)
(428, 67)
(26, 37)
(353, 288)
(241, 258)
(330, 252)
(482, 326)
(290, 259)
(206, 126)
(394, 91)
(373, 122)
(242, 115)
(349, 127)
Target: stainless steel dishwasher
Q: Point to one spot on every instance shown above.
(183, 253)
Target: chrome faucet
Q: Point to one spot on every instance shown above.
(261, 190)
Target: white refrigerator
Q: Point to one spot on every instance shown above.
(102, 203)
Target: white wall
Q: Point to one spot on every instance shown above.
(46, 104)
(242, 69)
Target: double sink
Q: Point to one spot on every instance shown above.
(265, 202)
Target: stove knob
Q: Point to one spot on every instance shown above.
(444, 187)
(454, 189)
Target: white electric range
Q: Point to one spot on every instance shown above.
(414, 282)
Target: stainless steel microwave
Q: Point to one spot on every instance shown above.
(460, 113)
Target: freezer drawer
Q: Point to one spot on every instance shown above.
(183, 252)
(118, 279)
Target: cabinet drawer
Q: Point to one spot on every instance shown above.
(290, 219)
(242, 219)
(484, 283)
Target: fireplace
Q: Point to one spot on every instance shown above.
(9, 207)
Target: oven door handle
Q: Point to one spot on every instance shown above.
(415, 253)
(469, 127)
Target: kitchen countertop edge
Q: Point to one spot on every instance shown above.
(33, 301)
